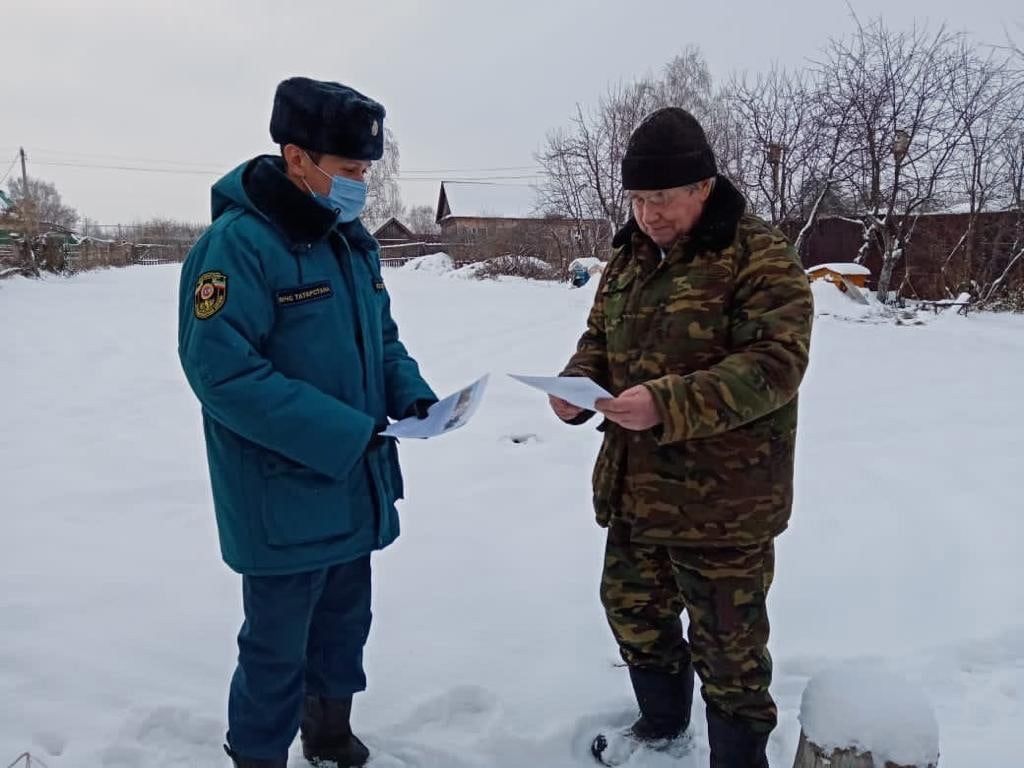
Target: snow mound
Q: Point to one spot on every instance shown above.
(432, 263)
(830, 301)
(468, 272)
(863, 706)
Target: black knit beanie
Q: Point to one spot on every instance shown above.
(668, 149)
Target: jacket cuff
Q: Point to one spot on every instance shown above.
(581, 418)
(673, 426)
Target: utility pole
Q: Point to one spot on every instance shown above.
(24, 173)
(27, 212)
(26, 198)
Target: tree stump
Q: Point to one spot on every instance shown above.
(860, 714)
(810, 755)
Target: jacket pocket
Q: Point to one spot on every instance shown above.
(301, 506)
(609, 475)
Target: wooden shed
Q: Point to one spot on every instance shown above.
(838, 273)
(393, 232)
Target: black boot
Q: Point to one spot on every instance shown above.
(734, 744)
(665, 700)
(327, 738)
(243, 762)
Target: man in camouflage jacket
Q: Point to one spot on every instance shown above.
(701, 327)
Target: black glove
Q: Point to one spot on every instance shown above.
(377, 440)
(419, 409)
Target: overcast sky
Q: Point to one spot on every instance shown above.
(469, 85)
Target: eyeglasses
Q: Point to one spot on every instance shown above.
(660, 197)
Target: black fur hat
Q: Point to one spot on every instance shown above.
(327, 117)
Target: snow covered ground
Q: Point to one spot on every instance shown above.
(117, 619)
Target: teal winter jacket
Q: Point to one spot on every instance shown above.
(286, 336)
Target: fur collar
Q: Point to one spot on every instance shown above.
(293, 212)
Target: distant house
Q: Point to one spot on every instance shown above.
(468, 210)
(394, 232)
(495, 217)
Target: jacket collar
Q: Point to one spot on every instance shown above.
(292, 211)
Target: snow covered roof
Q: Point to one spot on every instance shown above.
(841, 268)
(486, 200)
(395, 223)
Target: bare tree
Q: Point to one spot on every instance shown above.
(162, 231)
(384, 195)
(778, 111)
(565, 191)
(582, 164)
(886, 127)
(1013, 153)
(582, 161)
(420, 219)
(729, 136)
(43, 202)
(983, 98)
(901, 135)
(686, 82)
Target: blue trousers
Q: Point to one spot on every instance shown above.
(303, 633)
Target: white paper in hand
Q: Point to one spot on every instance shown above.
(444, 416)
(577, 390)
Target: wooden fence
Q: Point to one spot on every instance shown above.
(65, 257)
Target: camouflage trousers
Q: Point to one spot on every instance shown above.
(646, 588)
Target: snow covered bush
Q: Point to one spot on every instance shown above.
(510, 265)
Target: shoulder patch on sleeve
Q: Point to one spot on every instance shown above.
(211, 294)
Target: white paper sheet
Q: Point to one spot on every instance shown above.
(578, 390)
(444, 416)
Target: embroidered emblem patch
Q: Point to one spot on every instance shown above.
(211, 294)
(303, 294)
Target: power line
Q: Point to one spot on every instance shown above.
(142, 169)
(74, 155)
(475, 178)
(478, 182)
(466, 179)
(478, 170)
(494, 180)
(124, 158)
(8, 172)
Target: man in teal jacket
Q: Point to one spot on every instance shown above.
(287, 339)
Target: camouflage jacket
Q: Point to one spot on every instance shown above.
(719, 332)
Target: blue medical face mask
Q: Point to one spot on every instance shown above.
(346, 196)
